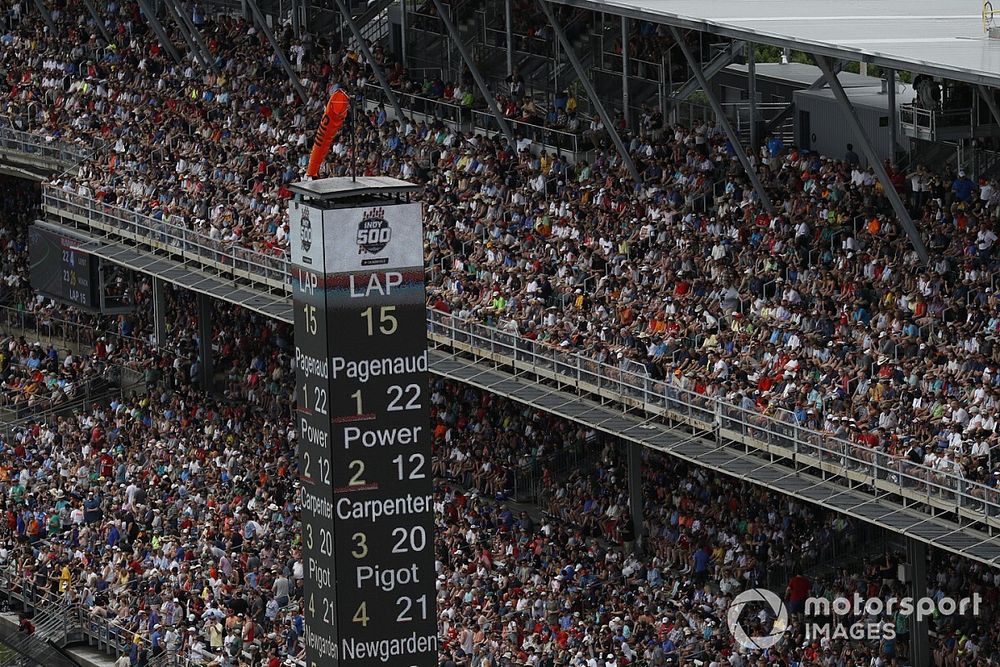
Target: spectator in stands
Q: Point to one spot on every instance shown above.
(963, 188)
(817, 315)
(851, 157)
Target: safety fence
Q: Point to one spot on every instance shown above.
(37, 146)
(468, 119)
(429, 107)
(170, 237)
(943, 490)
(549, 137)
(61, 619)
(776, 434)
(30, 649)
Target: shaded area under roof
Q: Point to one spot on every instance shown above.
(273, 306)
(944, 39)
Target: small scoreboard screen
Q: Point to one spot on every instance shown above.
(60, 270)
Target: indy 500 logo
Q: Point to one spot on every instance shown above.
(305, 235)
(374, 232)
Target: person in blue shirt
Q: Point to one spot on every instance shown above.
(113, 535)
(963, 188)
(155, 638)
(507, 518)
(774, 146)
(851, 157)
(701, 560)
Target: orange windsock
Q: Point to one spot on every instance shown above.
(333, 119)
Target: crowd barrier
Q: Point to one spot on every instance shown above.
(944, 490)
(38, 146)
(171, 237)
(776, 435)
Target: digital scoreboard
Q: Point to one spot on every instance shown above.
(60, 270)
(363, 431)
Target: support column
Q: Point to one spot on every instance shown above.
(714, 66)
(161, 34)
(508, 14)
(100, 21)
(752, 94)
(987, 95)
(193, 47)
(727, 127)
(367, 52)
(873, 159)
(890, 79)
(635, 500)
(471, 64)
(185, 15)
(404, 31)
(276, 47)
(581, 74)
(46, 16)
(662, 87)
(296, 20)
(670, 117)
(159, 312)
(916, 556)
(205, 341)
(625, 66)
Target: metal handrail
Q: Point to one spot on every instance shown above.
(171, 237)
(929, 119)
(673, 399)
(421, 104)
(541, 134)
(39, 146)
(476, 119)
(777, 434)
(52, 330)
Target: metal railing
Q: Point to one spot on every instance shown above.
(170, 237)
(16, 406)
(777, 435)
(686, 112)
(639, 68)
(32, 649)
(540, 134)
(429, 107)
(20, 592)
(944, 490)
(48, 330)
(40, 147)
(929, 120)
(373, 22)
(466, 118)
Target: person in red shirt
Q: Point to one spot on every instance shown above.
(797, 592)
(106, 462)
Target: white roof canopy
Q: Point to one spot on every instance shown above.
(940, 38)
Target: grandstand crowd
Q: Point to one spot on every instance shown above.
(818, 315)
(171, 515)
